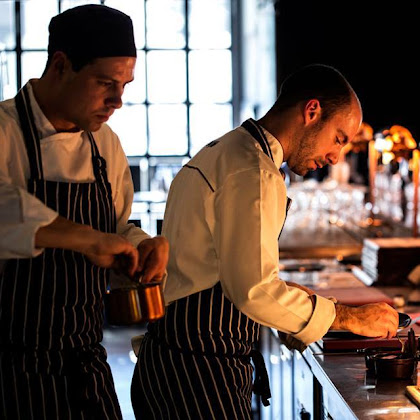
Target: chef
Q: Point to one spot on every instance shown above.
(224, 213)
(66, 195)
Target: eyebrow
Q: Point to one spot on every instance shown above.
(104, 76)
(345, 137)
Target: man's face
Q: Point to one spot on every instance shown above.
(320, 143)
(91, 95)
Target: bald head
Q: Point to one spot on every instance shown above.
(319, 82)
(316, 114)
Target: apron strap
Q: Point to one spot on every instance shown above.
(98, 162)
(30, 132)
(256, 131)
(101, 176)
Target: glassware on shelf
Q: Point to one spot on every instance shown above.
(400, 168)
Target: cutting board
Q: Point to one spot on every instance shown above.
(354, 342)
(344, 340)
(356, 296)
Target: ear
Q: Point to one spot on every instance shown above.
(60, 63)
(312, 111)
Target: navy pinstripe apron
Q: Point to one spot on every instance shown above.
(195, 363)
(51, 307)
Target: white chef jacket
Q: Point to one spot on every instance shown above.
(65, 157)
(222, 219)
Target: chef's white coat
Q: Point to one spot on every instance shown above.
(65, 157)
(222, 220)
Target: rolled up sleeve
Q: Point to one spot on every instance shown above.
(322, 317)
(21, 215)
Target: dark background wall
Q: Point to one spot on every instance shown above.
(374, 44)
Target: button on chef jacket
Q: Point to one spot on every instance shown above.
(66, 157)
(222, 221)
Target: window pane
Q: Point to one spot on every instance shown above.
(165, 24)
(209, 24)
(168, 130)
(69, 4)
(135, 92)
(36, 16)
(134, 9)
(33, 65)
(8, 87)
(210, 76)
(203, 132)
(166, 80)
(129, 123)
(7, 25)
(162, 174)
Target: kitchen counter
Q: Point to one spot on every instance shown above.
(335, 385)
(366, 397)
(317, 384)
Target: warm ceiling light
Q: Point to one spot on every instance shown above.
(387, 157)
(397, 139)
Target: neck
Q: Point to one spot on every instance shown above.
(50, 105)
(279, 127)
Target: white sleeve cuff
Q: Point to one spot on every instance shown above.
(19, 226)
(322, 318)
(18, 241)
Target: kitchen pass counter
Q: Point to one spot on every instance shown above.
(334, 382)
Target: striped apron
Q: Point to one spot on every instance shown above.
(51, 307)
(195, 362)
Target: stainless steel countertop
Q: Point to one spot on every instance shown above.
(366, 396)
(351, 391)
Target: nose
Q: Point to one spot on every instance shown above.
(115, 98)
(332, 158)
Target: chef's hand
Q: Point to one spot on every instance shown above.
(153, 258)
(113, 251)
(372, 320)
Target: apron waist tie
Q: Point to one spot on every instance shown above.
(261, 384)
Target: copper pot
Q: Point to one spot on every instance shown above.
(134, 305)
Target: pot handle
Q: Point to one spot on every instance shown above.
(137, 279)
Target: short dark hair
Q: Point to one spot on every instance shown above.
(77, 63)
(315, 81)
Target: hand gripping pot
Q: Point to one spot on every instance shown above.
(138, 303)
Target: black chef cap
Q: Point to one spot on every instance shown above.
(92, 31)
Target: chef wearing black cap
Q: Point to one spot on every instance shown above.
(66, 195)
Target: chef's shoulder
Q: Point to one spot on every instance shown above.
(9, 118)
(233, 153)
(9, 123)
